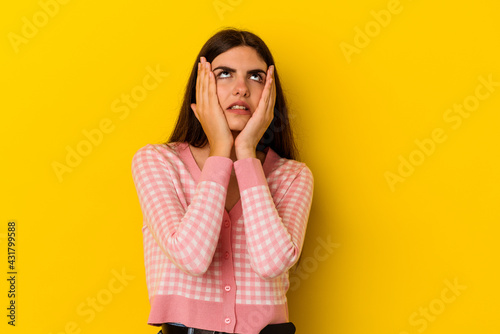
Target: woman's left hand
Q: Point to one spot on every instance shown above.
(246, 142)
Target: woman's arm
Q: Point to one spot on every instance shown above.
(274, 232)
(188, 236)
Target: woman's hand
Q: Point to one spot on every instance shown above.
(209, 112)
(246, 142)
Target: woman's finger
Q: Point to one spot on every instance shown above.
(270, 85)
(201, 78)
(212, 92)
(273, 91)
(198, 84)
(265, 98)
(270, 95)
(205, 86)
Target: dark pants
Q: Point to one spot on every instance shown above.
(287, 328)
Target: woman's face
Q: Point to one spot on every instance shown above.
(240, 75)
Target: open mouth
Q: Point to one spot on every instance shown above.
(240, 107)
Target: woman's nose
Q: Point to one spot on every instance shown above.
(241, 88)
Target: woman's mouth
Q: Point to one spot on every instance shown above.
(240, 108)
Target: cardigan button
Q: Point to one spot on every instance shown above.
(227, 288)
(226, 255)
(226, 223)
(227, 321)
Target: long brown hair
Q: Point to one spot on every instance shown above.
(278, 135)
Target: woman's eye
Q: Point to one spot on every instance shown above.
(256, 77)
(224, 74)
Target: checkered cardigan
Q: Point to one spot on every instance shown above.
(210, 268)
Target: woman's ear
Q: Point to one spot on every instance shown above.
(193, 107)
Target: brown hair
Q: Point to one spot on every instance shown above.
(278, 135)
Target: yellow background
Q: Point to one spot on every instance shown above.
(395, 248)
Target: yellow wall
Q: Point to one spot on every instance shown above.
(394, 115)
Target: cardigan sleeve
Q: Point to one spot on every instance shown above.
(274, 232)
(188, 236)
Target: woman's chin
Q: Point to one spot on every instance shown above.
(237, 126)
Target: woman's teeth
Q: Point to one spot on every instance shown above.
(238, 107)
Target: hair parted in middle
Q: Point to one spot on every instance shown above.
(278, 136)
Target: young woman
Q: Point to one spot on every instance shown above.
(224, 201)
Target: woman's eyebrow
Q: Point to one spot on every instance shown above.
(232, 70)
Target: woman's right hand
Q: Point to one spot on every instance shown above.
(209, 112)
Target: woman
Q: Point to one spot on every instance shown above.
(218, 242)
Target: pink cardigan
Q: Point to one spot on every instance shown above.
(213, 269)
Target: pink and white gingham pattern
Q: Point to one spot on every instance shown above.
(275, 231)
(237, 261)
